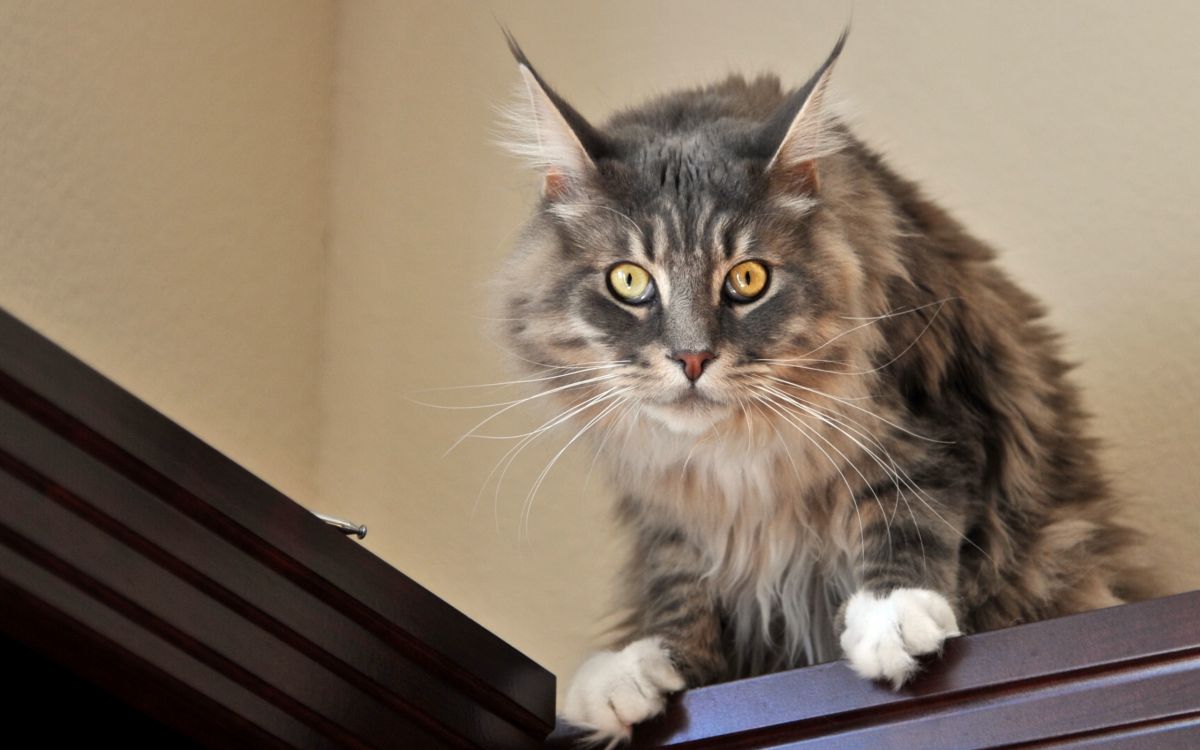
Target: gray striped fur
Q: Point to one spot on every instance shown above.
(758, 511)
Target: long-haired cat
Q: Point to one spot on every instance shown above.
(838, 428)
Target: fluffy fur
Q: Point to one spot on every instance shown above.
(886, 450)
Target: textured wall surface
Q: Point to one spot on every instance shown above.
(163, 191)
(1063, 133)
(167, 171)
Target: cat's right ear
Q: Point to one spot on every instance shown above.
(801, 131)
(551, 135)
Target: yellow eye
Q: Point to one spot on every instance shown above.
(630, 283)
(746, 281)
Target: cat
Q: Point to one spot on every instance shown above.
(837, 427)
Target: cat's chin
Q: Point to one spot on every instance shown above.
(688, 416)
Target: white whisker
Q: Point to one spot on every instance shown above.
(629, 405)
(615, 212)
(503, 383)
(787, 451)
(856, 407)
(787, 362)
(905, 311)
(894, 470)
(808, 432)
(513, 405)
(875, 319)
(545, 365)
(507, 460)
(528, 506)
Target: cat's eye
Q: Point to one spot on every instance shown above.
(630, 283)
(746, 281)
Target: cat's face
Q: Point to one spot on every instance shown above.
(679, 267)
(687, 311)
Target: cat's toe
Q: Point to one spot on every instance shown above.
(884, 634)
(613, 690)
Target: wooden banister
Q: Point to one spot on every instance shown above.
(134, 555)
(1127, 676)
(152, 589)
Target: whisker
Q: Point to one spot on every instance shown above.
(528, 506)
(897, 474)
(905, 311)
(542, 394)
(856, 407)
(510, 456)
(546, 365)
(928, 324)
(876, 319)
(782, 442)
(869, 485)
(807, 359)
(805, 431)
(499, 384)
(749, 428)
(637, 413)
(629, 405)
(832, 414)
(825, 415)
(911, 344)
(614, 211)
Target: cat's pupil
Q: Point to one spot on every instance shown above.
(747, 278)
(629, 280)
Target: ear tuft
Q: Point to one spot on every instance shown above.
(547, 132)
(803, 130)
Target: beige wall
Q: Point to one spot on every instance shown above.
(1062, 132)
(169, 171)
(163, 175)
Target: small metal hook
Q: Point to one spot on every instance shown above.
(346, 527)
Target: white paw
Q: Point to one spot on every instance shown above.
(613, 690)
(884, 634)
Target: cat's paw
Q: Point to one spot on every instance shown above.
(613, 690)
(885, 633)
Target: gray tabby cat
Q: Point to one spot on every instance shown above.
(839, 429)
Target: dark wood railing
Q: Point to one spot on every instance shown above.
(1126, 677)
(152, 590)
(140, 559)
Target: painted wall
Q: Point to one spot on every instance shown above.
(276, 221)
(163, 194)
(1064, 133)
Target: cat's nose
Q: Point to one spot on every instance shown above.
(693, 363)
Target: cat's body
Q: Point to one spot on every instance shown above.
(870, 447)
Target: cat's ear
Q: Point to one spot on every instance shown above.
(550, 134)
(801, 131)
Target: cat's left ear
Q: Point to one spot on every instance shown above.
(553, 135)
(801, 131)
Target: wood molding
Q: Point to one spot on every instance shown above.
(1127, 676)
(169, 584)
(125, 540)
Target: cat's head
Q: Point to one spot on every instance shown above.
(686, 252)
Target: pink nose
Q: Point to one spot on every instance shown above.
(693, 363)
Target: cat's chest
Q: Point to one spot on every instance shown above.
(705, 478)
(746, 504)
(763, 518)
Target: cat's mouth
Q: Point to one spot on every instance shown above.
(692, 397)
(691, 412)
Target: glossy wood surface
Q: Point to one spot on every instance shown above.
(146, 562)
(1123, 677)
(147, 577)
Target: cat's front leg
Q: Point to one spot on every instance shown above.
(903, 608)
(674, 642)
(885, 633)
(613, 690)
